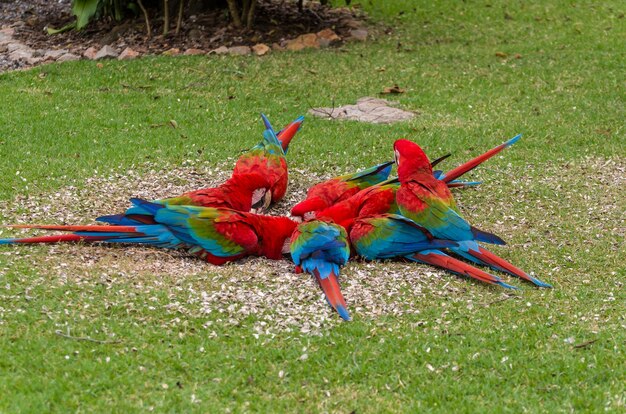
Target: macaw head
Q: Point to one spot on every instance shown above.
(275, 235)
(410, 158)
(306, 209)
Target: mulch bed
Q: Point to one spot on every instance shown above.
(276, 22)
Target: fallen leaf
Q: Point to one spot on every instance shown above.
(393, 90)
(501, 55)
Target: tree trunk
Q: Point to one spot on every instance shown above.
(234, 13)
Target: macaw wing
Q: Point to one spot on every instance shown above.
(371, 176)
(221, 232)
(390, 235)
(320, 242)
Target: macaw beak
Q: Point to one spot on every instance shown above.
(262, 201)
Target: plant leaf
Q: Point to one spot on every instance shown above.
(84, 11)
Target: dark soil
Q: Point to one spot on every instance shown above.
(276, 21)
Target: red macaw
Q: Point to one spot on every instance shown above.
(380, 198)
(218, 235)
(259, 179)
(337, 189)
(428, 202)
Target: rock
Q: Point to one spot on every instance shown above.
(261, 49)
(310, 40)
(9, 32)
(172, 52)
(358, 34)
(68, 57)
(222, 50)
(3, 48)
(194, 52)
(39, 53)
(367, 109)
(294, 45)
(107, 52)
(277, 46)
(4, 39)
(328, 34)
(239, 50)
(304, 41)
(128, 54)
(20, 54)
(19, 46)
(54, 54)
(90, 53)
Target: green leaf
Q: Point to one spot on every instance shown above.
(53, 31)
(84, 10)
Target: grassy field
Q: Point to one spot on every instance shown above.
(167, 333)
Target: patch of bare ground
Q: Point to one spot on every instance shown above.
(281, 301)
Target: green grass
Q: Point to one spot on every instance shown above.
(554, 196)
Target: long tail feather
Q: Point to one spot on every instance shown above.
(286, 135)
(473, 163)
(56, 238)
(499, 263)
(456, 266)
(92, 228)
(330, 287)
(438, 160)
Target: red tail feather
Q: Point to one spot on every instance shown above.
(455, 265)
(58, 238)
(473, 163)
(92, 228)
(330, 286)
(288, 133)
(498, 262)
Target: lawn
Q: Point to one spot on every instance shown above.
(168, 333)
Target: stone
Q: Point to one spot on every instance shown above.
(358, 34)
(18, 46)
(310, 40)
(222, 50)
(4, 39)
(328, 34)
(68, 57)
(54, 54)
(3, 48)
(294, 45)
(277, 46)
(90, 53)
(261, 49)
(367, 109)
(194, 52)
(304, 41)
(107, 52)
(172, 52)
(20, 54)
(8, 31)
(128, 54)
(39, 53)
(239, 50)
